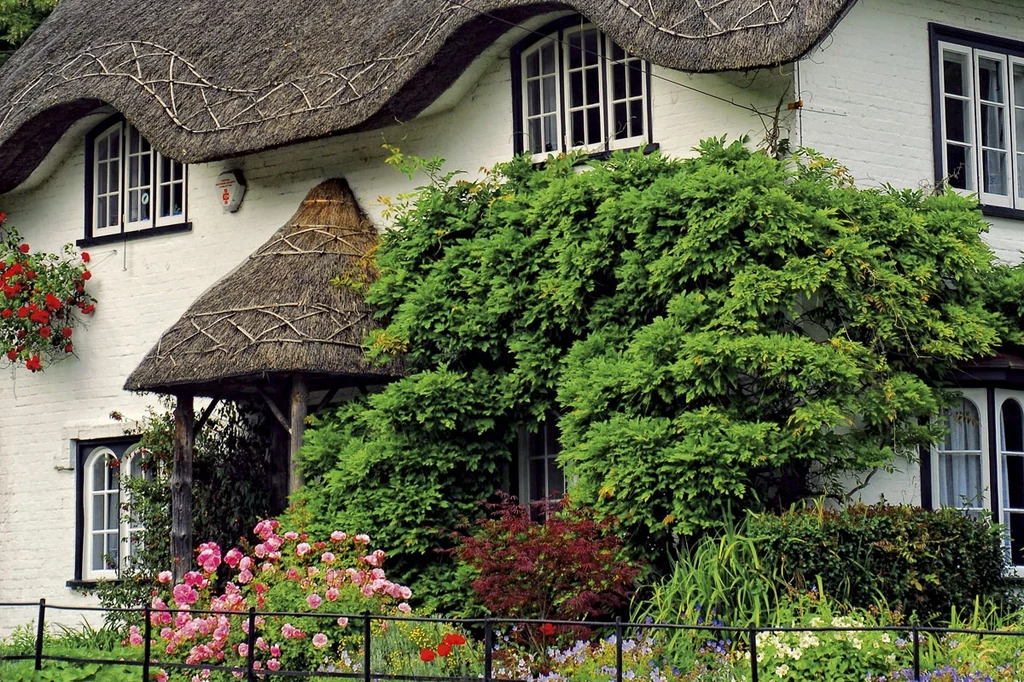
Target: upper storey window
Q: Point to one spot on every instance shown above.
(575, 89)
(979, 102)
(130, 187)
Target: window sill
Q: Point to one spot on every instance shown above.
(1002, 212)
(137, 234)
(606, 154)
(87, 585)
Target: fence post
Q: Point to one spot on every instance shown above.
(40, 630)
(488, 647)
(147, 644)
(917, 652)
(618, 649)
(752, 634)
(250, 640)
(366, 647)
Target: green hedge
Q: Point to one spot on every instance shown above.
(924, 562)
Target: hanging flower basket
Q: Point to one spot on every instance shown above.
(42, 299)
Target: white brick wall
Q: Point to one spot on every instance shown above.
(143, 286)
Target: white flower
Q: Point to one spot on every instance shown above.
(782, 670)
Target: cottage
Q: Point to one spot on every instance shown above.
(117, 119)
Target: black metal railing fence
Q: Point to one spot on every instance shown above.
(912, 633)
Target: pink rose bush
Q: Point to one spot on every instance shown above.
(194, 623)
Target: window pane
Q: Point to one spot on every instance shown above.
(990, 80)
(619, 81)
(960, 481)
(618, 54)
(556, 479)
(533, 65)
(113, 510)
(593, 86)
(178, 200)
(133, 141)
(954, 73)
(536, 141)
(550, 95)
(98, 522)
(102, 146)
(101, 213)
(1013, 427)
(547, 58)
(96, 558)
(964, 427)
(1015, 528)
(1013, 471)
(533, 98)
(995, 172)
(115, 144)
(636, 74)
(113, 211)
(178, 170)
(537, 482)
(958, 115)
(590, 48)
(993, 129)
(576, 134)
(576, 89)
(593, 125)
(101, 178)
(636, 117)
(621, 123)
(960, 167)
(575, 50)
(112, 551)
(114, 176)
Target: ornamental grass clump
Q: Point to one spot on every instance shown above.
(282, 572)
(42, 299)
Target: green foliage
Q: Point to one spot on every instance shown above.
(715, 576)
(18, 18)
(723, 331)
(927, 563)
(84, 642)
(231, 492)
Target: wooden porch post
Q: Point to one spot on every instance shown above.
(300, 406)
(181, 487)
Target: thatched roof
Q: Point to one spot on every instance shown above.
(277, 314)
(209, 80)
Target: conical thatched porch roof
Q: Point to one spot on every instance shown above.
(277, 315)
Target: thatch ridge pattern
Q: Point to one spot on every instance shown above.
(278, 313)
(238, 81)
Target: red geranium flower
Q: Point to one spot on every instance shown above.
(86, 275)
(52, 302)
(69, 348)
(7, 313)
(45, 332)
(443, 650)
(85, 257)
(12, 354)
(66, 332)
(24, 248)
(22, 311)
(33, 364)
(547, 629)
(454, 639)
(426, 655)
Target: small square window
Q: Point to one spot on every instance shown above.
(130, 187)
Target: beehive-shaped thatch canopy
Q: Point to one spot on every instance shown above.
(277, 315)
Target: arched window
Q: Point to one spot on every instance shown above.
(961, 479)
(575, 89)
(108, 535)
(130, 186)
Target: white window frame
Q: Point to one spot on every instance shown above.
(1012, 111)
(153, 189)
(527, 457)
(559, 38)
(124, 528)
(991, 509)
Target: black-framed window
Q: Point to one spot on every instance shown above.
(978, 112)
(540, 476)
(130, 188)
(105, 533)
(979, 466)
(575, 89)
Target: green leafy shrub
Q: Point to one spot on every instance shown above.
(921, 562)
(726, 331)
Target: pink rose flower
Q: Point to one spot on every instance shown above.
(164, 577)
(343, 622)
(243, 649)
(314, 601)
(275, 650)
(303, 548)
(134, 638)
(319, 640)
(404, 607)
(273, 665)
(326, 557)
(338, 536)
(291, 535)
(244, 577)
(234, 557)
(332, 593)
(363, 538)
